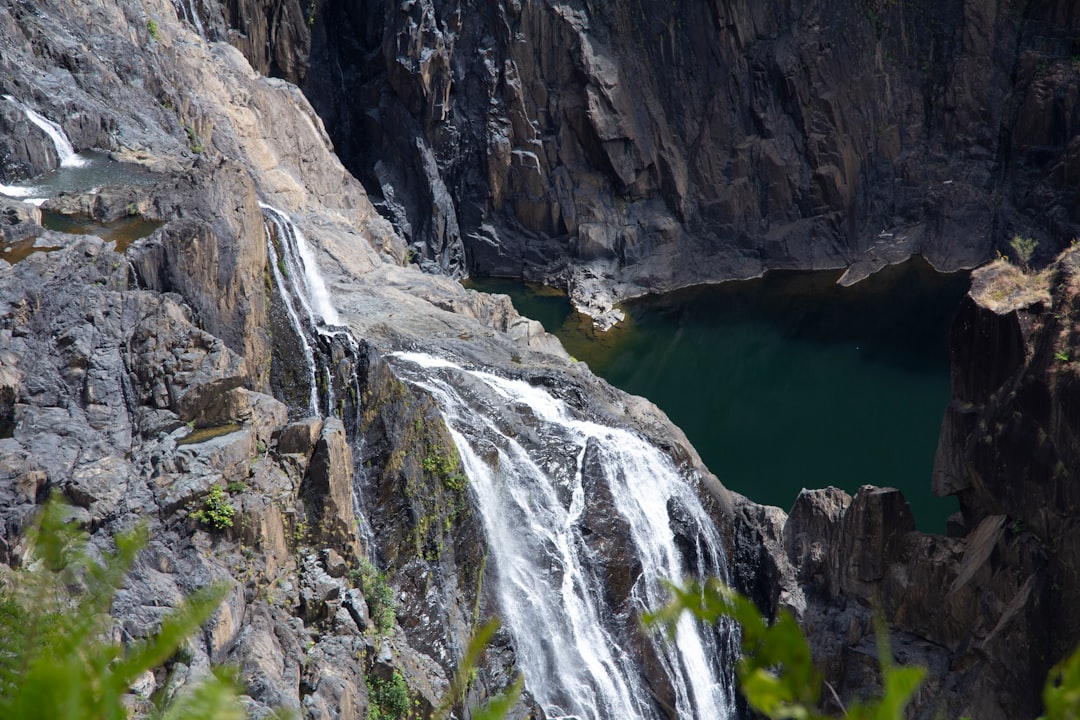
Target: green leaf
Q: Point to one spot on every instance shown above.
(499, 706)
(215, 698)
(460, 683)
(1061, 694)
(177, 626)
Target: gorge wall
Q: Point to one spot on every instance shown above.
(616, 149)
(627, 147)
(987, 608)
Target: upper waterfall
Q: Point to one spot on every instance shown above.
(65, 151)
(303, 269)
(571, 595)
(310, 312)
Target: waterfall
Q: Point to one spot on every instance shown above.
(330, 353)
(189, 12)
(542, 478)
(64, 150)
(307, 303)
(294, 319)
(303, 271)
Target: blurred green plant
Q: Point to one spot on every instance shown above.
(1061, 694)
(58, 656)
(776, 672)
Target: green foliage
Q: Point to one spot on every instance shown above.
(776, 672)
(236, 486)
(1062, 356)
(1024, 248)
(194, 141)
(497, 707)
(387, 699)
(1061, 695)
(445, 467)
(57, 655)
(217, 511)
(152, 28)
(378, 595)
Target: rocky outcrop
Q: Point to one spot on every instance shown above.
(622, 148)
(987, 610)
(968, 609)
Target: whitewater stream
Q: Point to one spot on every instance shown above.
(536, 488)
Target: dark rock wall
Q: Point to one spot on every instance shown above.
(1009, 437)
(991, 607)
(684, 142)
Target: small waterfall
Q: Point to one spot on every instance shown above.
(324, 343)
(64, 150)
(542, 479)
(304, 274)
(188, 11)
(302, 332)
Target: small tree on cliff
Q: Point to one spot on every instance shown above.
(1024, 247)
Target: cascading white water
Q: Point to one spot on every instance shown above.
(307, 303)
(578, 657)
(64, 149)
(190, 12)
(287, 301)
(303, 271)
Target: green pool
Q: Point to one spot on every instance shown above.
(789, 381)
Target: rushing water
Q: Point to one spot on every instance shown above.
(64, 150)
(307, 304)
(790, 381)
(536, 490)
(188, 11)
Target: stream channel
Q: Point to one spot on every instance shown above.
(788, 381)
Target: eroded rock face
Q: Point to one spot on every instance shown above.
(622, 148)
(987, 609)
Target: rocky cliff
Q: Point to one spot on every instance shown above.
(629, 147)
(136, 373)
(616, 149)
(987, 609)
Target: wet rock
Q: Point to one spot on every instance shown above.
(19, 221)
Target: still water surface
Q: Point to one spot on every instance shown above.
(788, 381)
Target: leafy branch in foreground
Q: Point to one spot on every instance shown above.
(57, 656)
(776, 672)
(496, 708)
(1061, 694)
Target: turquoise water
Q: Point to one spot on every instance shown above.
(789, 381)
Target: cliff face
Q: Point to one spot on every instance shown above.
(135, 377)
(627, 147)
(989, 608)
(618, 149)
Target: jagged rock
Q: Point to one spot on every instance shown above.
(178, 366)
(328, 489)
(100, 486)
(18, 221)
(300, 437)
(335, 565)
(335, 679)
